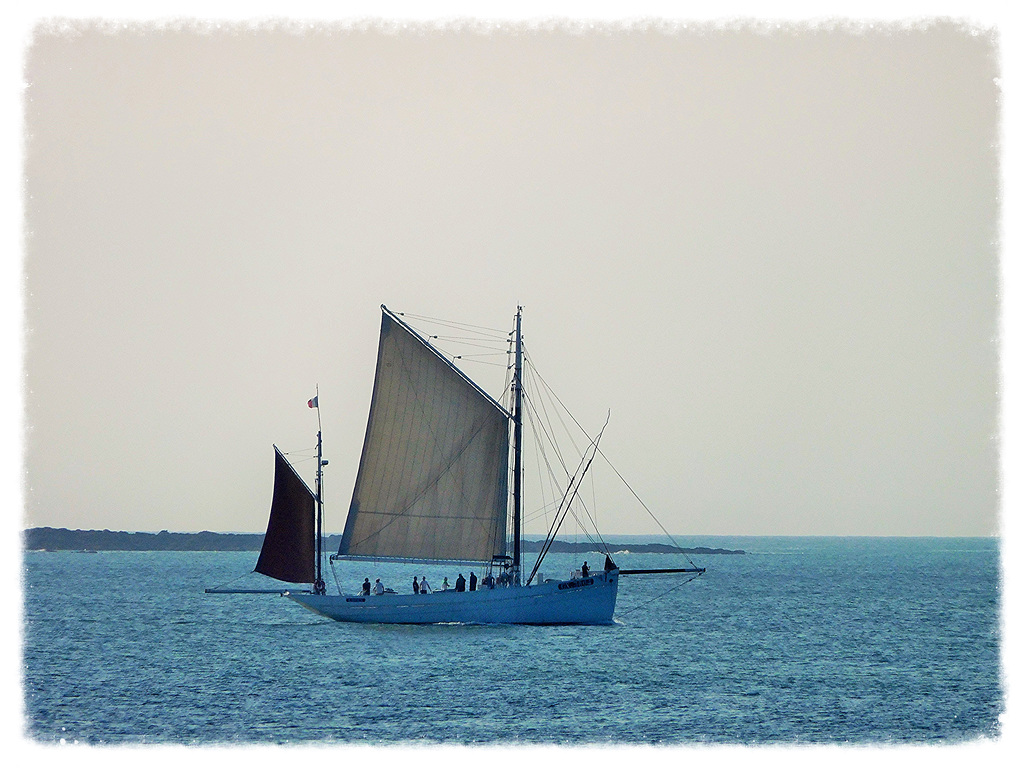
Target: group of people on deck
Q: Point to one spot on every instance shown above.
(421, 587)
(376, 589)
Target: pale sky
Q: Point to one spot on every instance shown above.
(772, 253)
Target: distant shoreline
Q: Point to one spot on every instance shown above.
(63, 539)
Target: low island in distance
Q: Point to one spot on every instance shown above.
(63, 539)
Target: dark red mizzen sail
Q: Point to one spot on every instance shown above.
(289, 548)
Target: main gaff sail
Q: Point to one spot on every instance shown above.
(289, 548)
(433, 477)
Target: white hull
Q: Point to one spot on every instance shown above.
(579, 601)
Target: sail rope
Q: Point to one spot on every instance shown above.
(537, 431)
(455, 324)
(571, 493)
(474, 359)
(546, 485)
(467, 341)
(596, 542)
(334, 571)
(618, 474)
(489, 341)
(227, 584)
(538, 428)
(300, 460)
(546, 390)
(538, 512)
(658, 597)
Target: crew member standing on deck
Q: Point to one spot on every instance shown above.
(472, 582)
(415, 586)
(424, 587)
(585, 569)
(460, 583)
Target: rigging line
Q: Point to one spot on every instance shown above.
(559, 516)
(569, 502)
(453, 357)
(473, 358)
(599, 541)
(334, 570)
(471, 341)
(550, 392)
(535, 516)
(552, 483)
(541, 429)
(237, 579)
(597, 530)
(550, 540)
(593, 522)
(540, 406)
(670, 537)
(226, 584)
(301, 460)
(533, 412)
(495, 348)
(542, 509)
(544, 483)
(548, 485)
(464, 358)
(619, 474)
(541, 451)
(299, 452)
(658, 597)
(453, 323)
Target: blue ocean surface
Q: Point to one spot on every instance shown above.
(799, 641)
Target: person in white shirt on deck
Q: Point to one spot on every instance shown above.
(424, 587)
(378, 588)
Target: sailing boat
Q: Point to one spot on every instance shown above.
(433, 487)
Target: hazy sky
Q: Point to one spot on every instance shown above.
(772, 253)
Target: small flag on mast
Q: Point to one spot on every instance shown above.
(313, 403)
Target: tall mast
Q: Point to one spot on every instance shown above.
(319, 506)
(319, 586)
(517, 450)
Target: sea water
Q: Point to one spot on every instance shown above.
(801, 640)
